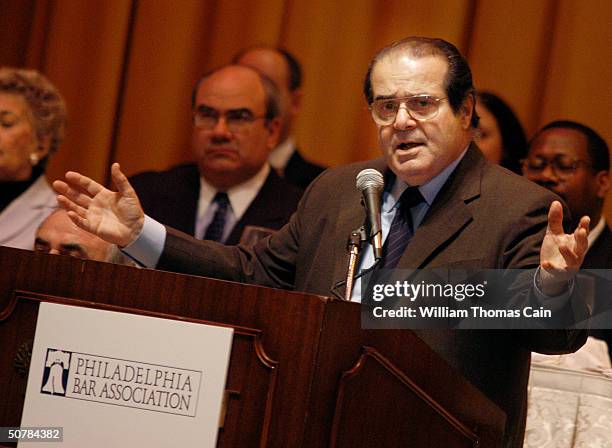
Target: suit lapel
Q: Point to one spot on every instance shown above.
(188, 215)
(265, 210)
(448, 214)
(179, 203)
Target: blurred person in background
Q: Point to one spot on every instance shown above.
(572, 160)
(230, 194)
(60, 236)
(32, 122)
(500, 135)
(285, 71)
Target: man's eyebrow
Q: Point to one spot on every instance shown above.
(394, 97)
(384, 97)
(73, 247)
(40, 241)
(204, 107)
(240, 109)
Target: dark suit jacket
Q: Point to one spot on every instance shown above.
(301, 172)
(599, 256)
(483, 217)
(171, 197)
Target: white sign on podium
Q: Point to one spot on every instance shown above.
(118, 379)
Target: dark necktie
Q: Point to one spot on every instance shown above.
(401, 229)
(214, 231)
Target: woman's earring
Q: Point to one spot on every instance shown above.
(34, 159)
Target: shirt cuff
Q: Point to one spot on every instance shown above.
(149, 245)
(553, 303)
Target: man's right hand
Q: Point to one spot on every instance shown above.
(116, 217)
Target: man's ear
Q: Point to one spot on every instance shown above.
(467, 110)
(43, 148)
(295, 101)
(602, 180)
(273, 128)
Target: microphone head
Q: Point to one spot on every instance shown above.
(369, 178)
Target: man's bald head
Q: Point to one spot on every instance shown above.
(284, 70)
(59, 235)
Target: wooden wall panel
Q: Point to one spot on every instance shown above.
(168, 48)
(16, 21)
(84, 56)
(509, 53)
(548, 58)
(578, 83)
(333, 109)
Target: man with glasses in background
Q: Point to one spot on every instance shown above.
(573, 160)
(284, 69)
(443, 205)
(230, 194)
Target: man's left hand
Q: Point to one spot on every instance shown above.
(561, 254)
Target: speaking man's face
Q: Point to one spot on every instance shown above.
(418, 149)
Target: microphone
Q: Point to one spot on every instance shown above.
(370, 182)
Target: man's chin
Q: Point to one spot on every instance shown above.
(221, 165)
(412, 172)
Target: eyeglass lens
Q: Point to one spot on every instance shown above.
(420, 107)
(560, 164)
(235, 119)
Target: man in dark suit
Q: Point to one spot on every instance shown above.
(573, 160)
(422, 99)
(284, 69)
(235, 126)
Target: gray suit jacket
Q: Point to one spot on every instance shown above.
(483, 217)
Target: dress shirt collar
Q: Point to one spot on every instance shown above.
(279, 157)
(429, 190)
(240, 196)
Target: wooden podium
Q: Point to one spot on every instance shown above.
(302, 371)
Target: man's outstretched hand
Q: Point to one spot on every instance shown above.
(561, 254)
(114, 216)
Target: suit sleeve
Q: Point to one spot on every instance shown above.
(271, 262)
(523, 252)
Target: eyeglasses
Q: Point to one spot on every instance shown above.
(561, 165)
(236, 120)
(419, 107)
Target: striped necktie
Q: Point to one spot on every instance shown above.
(215, 229)
(401, 229)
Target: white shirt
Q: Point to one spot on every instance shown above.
(595, 232)
(390, 201)
(279, 157)
(240, 197)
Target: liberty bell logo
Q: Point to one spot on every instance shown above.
(55, 376)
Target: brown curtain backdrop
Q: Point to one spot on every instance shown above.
(127, 67)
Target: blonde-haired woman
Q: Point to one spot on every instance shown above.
(32, 122)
